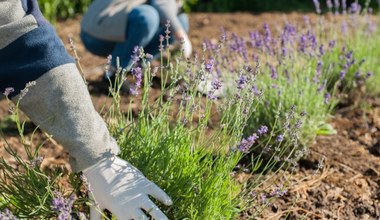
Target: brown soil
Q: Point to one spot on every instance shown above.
(346, 188)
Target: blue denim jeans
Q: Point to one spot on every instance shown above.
(143, 29)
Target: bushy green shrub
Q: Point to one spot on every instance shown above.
(62, 9)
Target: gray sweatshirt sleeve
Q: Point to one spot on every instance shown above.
(168, 10)
(58, 100)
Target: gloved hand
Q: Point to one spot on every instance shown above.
(182, 37)
(123, 190)
(186, 46)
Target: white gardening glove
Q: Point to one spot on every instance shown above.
(186, 46)
(124, 191)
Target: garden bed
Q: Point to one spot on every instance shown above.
(344, 186)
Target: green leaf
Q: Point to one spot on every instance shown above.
(326, 129)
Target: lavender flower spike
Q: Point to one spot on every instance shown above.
(246, 144)
(6, 214)
(262, 130)
(8, 91)
(209, 65)
(317, 6)
(280, 138)
(327, 98)
(62, 206)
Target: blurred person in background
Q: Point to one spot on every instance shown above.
(57, 100)
(115, 27)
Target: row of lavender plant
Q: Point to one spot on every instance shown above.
(310, 67)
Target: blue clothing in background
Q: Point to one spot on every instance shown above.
(143, 29)
(29, 56)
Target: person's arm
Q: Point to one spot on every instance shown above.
(59, 103)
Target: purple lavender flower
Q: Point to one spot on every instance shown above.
(135, 55)
(284, 51)
(312, 39)
(318, 72)
(337, 5)
(238, 45)
(317, 6)
(209, 65)
(211, 95)
(280, 138)
(161, 46)
(279, 191)
(369, 74)
(216, 84)
(36, 162)
(349, 55)
(8, 91)
(263, 199)
(241, 82)
(262, 130)
(6, 214)
(344, 6)
(302, 43)
(107, 67)
(208, 45)
(342, 74)
(327, 98)
(58, 203)
(246, 144)
(355, 7)
(343, 50)
(255, 90)
(322, 86)
(133, 90)
(267, 37)
(273, 72)
(332, 44)
(62, 206)
(298, 124)
(86, 183)
(256, 39)
(167, 30)
(321, 50)
(329, 4)
(137, 73)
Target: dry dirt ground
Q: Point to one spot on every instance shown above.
(348, 185)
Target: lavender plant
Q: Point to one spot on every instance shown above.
(27, 190)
